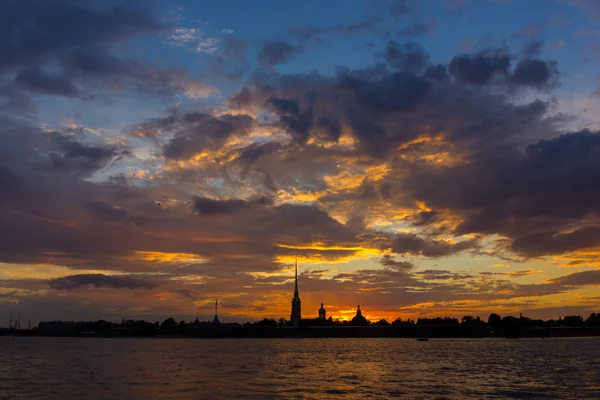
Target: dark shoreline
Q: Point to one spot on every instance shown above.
(226, 331)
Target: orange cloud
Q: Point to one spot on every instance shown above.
(160, 257)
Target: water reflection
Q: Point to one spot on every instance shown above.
(68, 368)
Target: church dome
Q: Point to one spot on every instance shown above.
(359, 319)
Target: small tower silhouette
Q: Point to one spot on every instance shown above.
(322, 313)
(216, 318)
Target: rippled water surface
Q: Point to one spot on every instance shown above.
(88, 368)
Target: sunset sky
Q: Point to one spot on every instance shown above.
(420, 158)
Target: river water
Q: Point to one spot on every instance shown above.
(89, 368)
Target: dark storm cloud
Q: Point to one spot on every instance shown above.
(27, 148)
(206, 206)
(53, 27)
(277, 52)
(87, 71)
(536, 73)
(298, 126)
(528, 195)
(424, 218)
(409, 56)
(387, 93)
(329, 128)
(480, 68)
(555, 242)
(72, 156)
(71, 148)
(578, 279)
(35, 80)
(283, 106)
(99, 281)
(362, 99)
(412, 244)
(98, 64)
(64, 50)
(296, 122)
(491, 66)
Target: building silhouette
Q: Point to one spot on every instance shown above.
(359, 319)
(322, 313)
(216, 318)
(296, 315)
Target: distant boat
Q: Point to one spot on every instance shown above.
(422, 339)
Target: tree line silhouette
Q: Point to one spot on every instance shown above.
(494, 326)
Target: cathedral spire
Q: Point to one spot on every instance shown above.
(296, 279)
(296, 314)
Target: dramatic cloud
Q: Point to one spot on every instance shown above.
(207, 206)
(395, 179)
(71, 155)
(66, 52)
(277, 52)
(409, 56)
(412, 244)
(578, 279)
(98, 281)
(493, 66)
(553, 242)
(480, 68)
(58, 26)
(189, 133)
(388, 261)
(535, 73)
(367, 25)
